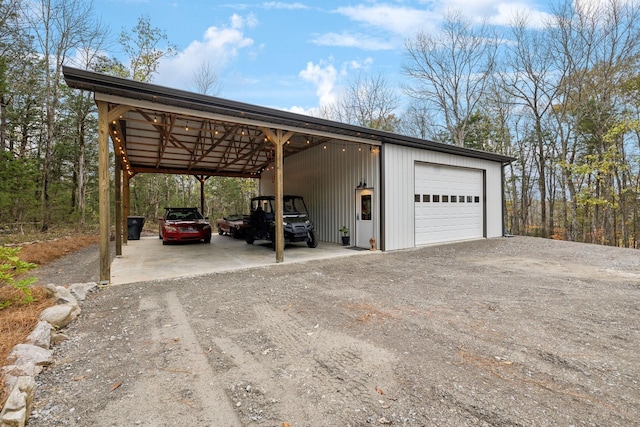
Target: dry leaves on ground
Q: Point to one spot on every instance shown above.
(18, 320)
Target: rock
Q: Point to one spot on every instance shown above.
(58, 337)
(60, 315)
(64, 296)
(16, 371)
(29, 353)
(80, 290)
(51, 289)
(18, 406)
(41, 335)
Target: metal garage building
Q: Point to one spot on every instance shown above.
(401, 191)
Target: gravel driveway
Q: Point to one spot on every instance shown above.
(512, 331)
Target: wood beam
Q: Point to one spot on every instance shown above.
(118, 111)
(103, 191)
(176, 171)
(279, 138)
(118, 196)
(126, 205)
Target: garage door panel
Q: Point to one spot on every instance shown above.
(440, 218)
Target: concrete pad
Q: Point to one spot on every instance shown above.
(148, 259)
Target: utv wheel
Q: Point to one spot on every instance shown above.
(312, 242)
(220, 232)
(250, 240)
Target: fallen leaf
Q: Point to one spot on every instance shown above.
(286, 425)
(116, 385)
(80, 378)
(379, 390)
(383, 420)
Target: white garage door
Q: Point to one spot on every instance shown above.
(449, 203)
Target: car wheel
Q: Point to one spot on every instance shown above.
(207, 240)
(220, 232)
(250, 240)
(164, 242)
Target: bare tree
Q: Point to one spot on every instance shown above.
(533, 82)
(367, 101)
(418, 121)
(599, 44)
(451, 70)
(206, 80)
(59, 27)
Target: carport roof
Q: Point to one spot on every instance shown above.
(156, 129)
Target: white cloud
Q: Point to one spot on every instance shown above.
(358, 40)
(281, 5)
(218, 47)
(324, 76)
(505, 12)
(239, 22)
(401, 21)
(497, 12)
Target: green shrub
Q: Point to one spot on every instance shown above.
(11, 268)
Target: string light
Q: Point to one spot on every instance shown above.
(187, 126)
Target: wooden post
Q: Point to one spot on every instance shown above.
(118, 213)
(279, 138)
(126, 205)
(279, 193)
(202, 180)
(103, 191)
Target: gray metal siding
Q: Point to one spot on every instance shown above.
(399, 171)
(327, 179)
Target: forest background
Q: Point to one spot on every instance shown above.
(562, 99)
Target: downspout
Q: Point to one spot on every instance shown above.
(382, 243)
(504, 208)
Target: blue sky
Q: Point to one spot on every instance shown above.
(293, 55)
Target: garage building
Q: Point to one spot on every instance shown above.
(400, 191)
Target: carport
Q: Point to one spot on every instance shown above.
(155, 129)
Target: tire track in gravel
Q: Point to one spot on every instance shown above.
(214, 401)
(317, 365)
(173, 383)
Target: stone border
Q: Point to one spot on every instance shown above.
(29, 359)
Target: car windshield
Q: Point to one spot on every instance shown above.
(183, 215)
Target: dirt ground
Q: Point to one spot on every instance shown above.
(506, 332)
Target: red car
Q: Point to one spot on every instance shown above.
(183, 225)
(233, 225)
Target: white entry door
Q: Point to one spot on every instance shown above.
(364, 217)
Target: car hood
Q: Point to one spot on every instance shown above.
(187, 222)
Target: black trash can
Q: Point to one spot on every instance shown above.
(134, 227)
